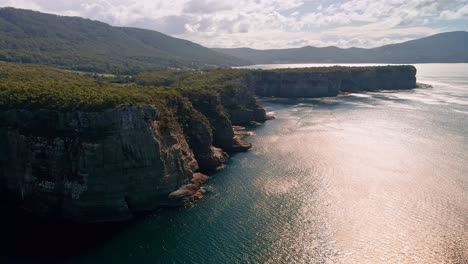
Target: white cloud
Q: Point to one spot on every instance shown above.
(206, 6)
(269, 23)
(457, 14)
(26, 4)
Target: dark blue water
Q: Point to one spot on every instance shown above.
(378, 177)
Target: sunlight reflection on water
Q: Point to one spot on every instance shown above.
(378, 177)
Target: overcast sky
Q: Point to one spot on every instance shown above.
(272, 23)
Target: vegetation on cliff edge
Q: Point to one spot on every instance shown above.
(33, 87)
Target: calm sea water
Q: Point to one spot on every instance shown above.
(377, 177)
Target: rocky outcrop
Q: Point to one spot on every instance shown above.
(189, 193)
(239, 135)
(308, 83)
(92, 167)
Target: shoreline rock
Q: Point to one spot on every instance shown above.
(187, 194)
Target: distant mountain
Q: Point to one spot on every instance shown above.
(82, 44)
(444, 47)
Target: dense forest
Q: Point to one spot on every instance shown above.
(85, 45)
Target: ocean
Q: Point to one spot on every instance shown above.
(376, 177)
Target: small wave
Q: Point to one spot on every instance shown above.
(461, 111)
(424, 86)
(362, 95)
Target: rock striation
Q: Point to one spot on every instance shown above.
(91, 167)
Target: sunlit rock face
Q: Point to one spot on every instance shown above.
(91, 167)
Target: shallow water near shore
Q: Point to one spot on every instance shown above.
(378, 177)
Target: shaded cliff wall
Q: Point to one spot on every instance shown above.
(219, 116)
(210, 106)
(109, 165)
(199, 134)
(306, 83)
(91, 166)
(239, 102)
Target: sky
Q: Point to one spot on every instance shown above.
(267, 24)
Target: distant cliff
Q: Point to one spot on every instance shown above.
(75, 149)
(297, 83)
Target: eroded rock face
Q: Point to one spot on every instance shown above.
(91, 167)
(210, 106)
(199, 134)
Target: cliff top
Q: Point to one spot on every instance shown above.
(34, 87)
(328, 69)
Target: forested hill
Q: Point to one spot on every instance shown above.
(444, 47)
(81, 44)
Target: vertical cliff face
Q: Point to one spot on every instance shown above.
(379, 78)
(91, 166)
(303, 83)
(210, 106)
(199, 135)
(293, 84)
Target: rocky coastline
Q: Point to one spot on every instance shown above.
(104, 166)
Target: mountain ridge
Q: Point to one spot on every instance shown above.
(87, 45)
(82, 44)
(442, 47)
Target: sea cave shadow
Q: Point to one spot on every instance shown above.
(26, 239)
